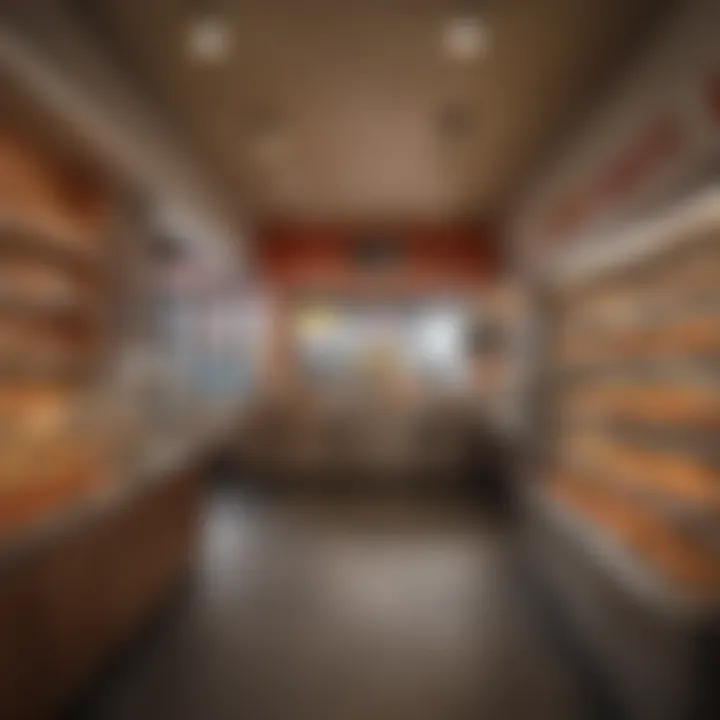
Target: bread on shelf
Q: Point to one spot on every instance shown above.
(636, 391)
(678, 558)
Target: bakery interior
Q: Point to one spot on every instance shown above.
(359, 359)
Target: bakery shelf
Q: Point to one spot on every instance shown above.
(648, 435)
(24, 307)
(650, 320)
(696, 521)
(42, 369)
(23, 234)
(673, 369)
(620, 562)
(633, 360)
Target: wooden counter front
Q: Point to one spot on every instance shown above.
(72, 599)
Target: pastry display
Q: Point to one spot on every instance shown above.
(636, 393)
(672, 552)
(51, 298)
(39, 283)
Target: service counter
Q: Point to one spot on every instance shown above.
(77, 586)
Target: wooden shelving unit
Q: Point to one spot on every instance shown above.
(55, 297)
(633, 385)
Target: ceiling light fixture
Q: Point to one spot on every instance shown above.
(209, 39)
(466, 37)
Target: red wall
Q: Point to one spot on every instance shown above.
(321, 257)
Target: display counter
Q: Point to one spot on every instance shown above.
(625, 524)
(357, 444)
(75, 587)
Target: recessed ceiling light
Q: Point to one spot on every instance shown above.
(466, 37)
(209, 39)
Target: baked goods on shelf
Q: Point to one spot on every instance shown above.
(676, 557)
(636, 394)
(53, 257)
(38, 477)
(38, 283)
(673, 475)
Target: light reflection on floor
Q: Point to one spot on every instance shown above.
(337, 611)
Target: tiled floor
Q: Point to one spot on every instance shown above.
(340, 611)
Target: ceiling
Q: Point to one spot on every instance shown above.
(333, 108)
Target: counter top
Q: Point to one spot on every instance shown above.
(157, 466)
(76, 587)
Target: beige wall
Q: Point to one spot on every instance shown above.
(674, 79)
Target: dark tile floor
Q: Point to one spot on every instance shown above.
(342, 611)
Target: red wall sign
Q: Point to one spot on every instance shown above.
(425, 256)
